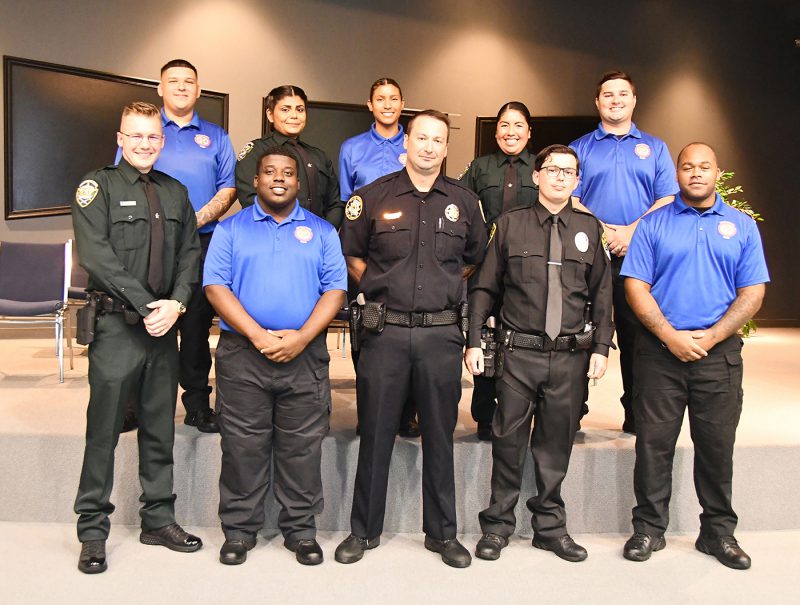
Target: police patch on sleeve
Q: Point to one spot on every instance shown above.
(466, 168)
(86, 193)
(605, 245)
(245, 150)
(354, 207)
(581, 241)
(492, 231)
(452, 213)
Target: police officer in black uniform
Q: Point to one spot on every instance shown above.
(319, 187)
(545, 263)
(137, 238)
(406, 239)
(502, 181)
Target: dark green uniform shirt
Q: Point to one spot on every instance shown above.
(110, 216)
(486, 175)
(327, 203)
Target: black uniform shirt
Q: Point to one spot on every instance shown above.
(515, 270)
(327, 203)
(111, 219)
(415, 244)
(486, 177)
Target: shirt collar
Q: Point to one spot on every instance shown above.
(380, 140)
(602, 133)
(543, 214)
(681, 207)
(524, 156)
(297, 214)
(130, 173)
(404, 185)
(193, 123)
(280, 138)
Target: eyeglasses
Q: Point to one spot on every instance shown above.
(136, 139)
(554, 171)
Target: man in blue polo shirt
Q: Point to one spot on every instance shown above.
(694, 274)
(276, 276)
(200, 155)
(625, 174)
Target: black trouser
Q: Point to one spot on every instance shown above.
(711, 389)
(627, 327)
(427, 363)
(124, 363)
(483, 399)
(195, 355)
(549, 387)
(268, 408)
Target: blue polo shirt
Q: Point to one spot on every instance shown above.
(695, 261)
(367, 157)
(278, 271)
(200, 156)
(622, 175)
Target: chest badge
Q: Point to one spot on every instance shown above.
(354, 207)
(452, 213)
(202, 140)
(726, 229)
(642, 151)
(581, 241)
(303, 234)
(245, 150)
(402, 158)
(86, 193)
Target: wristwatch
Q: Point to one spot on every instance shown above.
(181, 307)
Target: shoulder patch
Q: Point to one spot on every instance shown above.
(355, 205)
(86, 193)
(245, 150)
(480, 207)
(605, 246)
(492, 231)
(463, 172)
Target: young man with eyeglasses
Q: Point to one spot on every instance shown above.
(547, 267)
(136, 235)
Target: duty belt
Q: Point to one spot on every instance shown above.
(539, 342)
(106, 303)
(422, 319)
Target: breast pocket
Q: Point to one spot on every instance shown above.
(391, 240)
(576, 265)
(129, 226)
(450, 241)
(525, 261)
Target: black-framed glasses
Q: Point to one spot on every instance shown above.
(554, 171)
(136, 139)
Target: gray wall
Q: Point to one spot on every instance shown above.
(722, 72)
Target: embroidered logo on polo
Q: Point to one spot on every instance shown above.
(303, 234)
(452, 213)
(581, 241)
(202, 140)
(402, 158)
(86, 193)
(642, 151)
(726, 229)
(245, 150)
(354, 207)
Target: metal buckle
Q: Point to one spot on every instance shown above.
(416, 319)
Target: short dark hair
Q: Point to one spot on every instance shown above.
(685, 147)
(283, 91)
(384, 82)
(615, 75)
(431, 113)
(178, 63)
(275, 150)
(515, 106)
(545, 153)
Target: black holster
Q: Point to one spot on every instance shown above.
(373, 316)
(463, 317)
(87, 320)
(489, 348)
(354, 318)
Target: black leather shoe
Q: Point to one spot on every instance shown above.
(173, 537)
(93, 557)
(352, 548)
(640, 546)
(452, 551)
(726, 549)
(409, 429)
(307, 552)
(485, 431)
(563, 546)
(234, 552)
(489, 546)
(204, 420)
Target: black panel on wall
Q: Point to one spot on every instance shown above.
(60, 123)
(544, 131)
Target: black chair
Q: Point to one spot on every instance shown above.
(34, 284)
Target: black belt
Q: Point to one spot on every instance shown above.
(106, 303)
(540, 342)
(422, 319)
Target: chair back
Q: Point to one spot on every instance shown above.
(35, 272)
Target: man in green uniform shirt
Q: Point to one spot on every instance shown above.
(136, 236)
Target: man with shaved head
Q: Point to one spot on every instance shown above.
(694, 274)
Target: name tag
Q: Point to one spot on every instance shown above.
(128, 203)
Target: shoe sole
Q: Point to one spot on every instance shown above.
(156, 541)
(357, 558)
(701, 546)
(660, 545)
(577, 559)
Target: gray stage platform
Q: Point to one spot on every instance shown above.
(41, 446)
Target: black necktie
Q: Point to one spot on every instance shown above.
(552, 320)
(155, 272)
(311, 176)
(510, 184)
